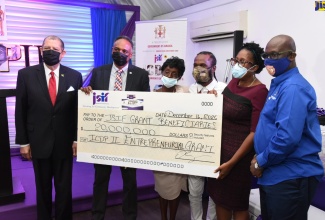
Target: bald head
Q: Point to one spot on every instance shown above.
(281, 43)
(282, 46)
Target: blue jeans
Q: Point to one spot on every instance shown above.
(288, 200)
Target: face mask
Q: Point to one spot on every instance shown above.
(238, 72)
(51, 57)
(120, 59)
(168, 82)
(201, 74)
(277, 67)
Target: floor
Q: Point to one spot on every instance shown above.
(147, 210)
(83, 174)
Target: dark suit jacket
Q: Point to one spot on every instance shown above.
(137, 78)
(48, 129)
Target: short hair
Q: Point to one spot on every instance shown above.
(175, 62)
(212, 57)
(53, 37)
(125, 38)
(256, 51)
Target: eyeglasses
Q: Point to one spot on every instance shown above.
(275, 55)
(241, 63)
(116, 49)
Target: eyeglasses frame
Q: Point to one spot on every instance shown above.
(275, 54)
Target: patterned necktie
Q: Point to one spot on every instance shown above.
(52, 88)
(118, 80)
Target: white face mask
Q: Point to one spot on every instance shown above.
(239, 72)
(168, 82)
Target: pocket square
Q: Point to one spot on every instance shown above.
(70, 89)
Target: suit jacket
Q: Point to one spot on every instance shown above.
(137, 78)
(48, 129)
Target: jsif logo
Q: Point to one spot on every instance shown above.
(158, 57)
(103, 97)
(319, 5)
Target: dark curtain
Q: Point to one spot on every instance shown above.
(129, 29)
(106, 26)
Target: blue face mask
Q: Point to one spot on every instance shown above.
(168, 82)
(279, 66)
(238, 72)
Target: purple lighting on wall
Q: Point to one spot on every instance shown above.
(91, 5)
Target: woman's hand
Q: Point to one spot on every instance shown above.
(223, 170)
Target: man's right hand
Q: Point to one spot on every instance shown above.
(86, 90)
(213, 92)
(26, 152)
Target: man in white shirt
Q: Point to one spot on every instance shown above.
(204, 68)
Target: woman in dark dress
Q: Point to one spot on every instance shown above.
(244, 98)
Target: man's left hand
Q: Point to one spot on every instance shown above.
(74, 149)
(256, 172)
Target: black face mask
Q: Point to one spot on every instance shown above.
(120, 59)
(51, 57)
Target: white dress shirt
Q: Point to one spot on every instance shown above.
(113, 76)
(214, 85)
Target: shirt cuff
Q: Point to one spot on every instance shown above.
(260, 161)
(24, 145)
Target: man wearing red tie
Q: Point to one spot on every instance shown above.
(119, 76)
(46, 126)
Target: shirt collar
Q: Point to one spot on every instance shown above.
(48, 71)
(125, 69)
(279, 79)
(209, 87)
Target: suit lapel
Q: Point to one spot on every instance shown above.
(129, 79)
(107, 77)
(42, 81)
(62, 82)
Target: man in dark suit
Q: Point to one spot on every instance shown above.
(117, 76)
(46, 126)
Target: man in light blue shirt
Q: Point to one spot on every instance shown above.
(288, 137)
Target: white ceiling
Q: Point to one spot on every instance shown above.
(152, 8)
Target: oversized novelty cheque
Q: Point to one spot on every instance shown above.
(173, 132)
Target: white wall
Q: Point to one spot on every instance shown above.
(266, 19)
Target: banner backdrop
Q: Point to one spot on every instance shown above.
(156, 41)
(3, 21)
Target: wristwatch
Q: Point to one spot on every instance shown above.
(257, 166)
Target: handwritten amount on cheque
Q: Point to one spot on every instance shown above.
(126, 129)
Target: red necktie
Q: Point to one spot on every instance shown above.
(52, 88)
(118, 81)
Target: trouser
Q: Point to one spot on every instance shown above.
(61, 171)
(100, 189)
(288, 200)
(196, 189)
